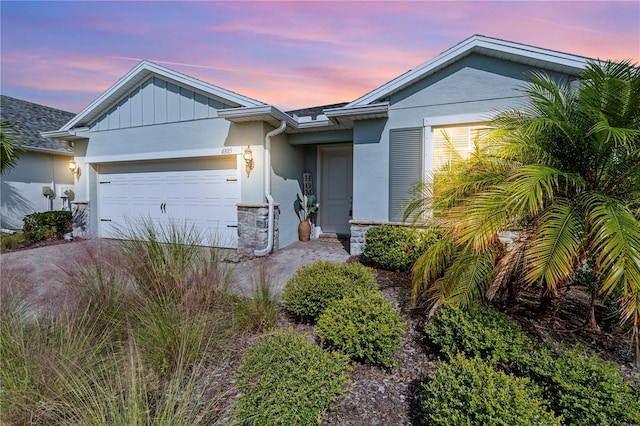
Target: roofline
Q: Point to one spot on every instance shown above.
(471, 44)
(112, 94)
(67, 135)
(46, 151)
(357, 110)
(274, 116)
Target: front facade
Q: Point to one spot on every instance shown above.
(43, 163)
(161, 145)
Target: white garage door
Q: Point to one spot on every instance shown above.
(199, 192)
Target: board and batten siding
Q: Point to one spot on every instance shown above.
(157, 101)
(405, 168)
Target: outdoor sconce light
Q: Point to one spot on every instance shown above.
(74, 168)
(247, 155)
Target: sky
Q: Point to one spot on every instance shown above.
(290, 54)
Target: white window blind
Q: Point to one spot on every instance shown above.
(405, 168)
(450, 143)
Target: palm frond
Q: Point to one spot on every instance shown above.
(431, 265)
(477, 222)
(615, 235)
(534, 186)
(557, 245)
(470, 276)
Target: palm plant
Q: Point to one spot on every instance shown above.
(564, 171)
(9, 149)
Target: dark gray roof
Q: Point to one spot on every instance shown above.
(30, 119)
(315, 111)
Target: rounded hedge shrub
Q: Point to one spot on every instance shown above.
(396, 248)
(365, 327)
(286, 380)
(478, 332)
(316, 285)
(50, 225)
(581, 388)
(470, 392)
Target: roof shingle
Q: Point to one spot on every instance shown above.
(30, 119)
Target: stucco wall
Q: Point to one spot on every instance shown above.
(474, 85)
(287, 167)
(21, 187)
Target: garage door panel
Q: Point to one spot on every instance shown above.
(202, 193)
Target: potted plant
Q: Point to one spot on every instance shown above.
(304, 208)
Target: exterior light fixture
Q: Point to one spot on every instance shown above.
(74, 168)
(247, 155)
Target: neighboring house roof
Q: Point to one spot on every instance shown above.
(488, 46)
(142, 72)
(31, 119)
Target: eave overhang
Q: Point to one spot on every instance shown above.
(274, 116)
(67, 135)
(346, 115)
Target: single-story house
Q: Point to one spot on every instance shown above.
(44, 163)
(161, 144)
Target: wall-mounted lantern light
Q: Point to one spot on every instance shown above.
(74, 168)
(247, 155)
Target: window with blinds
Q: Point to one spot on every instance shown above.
(405, 168)
(451, 143)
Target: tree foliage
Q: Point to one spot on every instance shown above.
(9, 149)
(564, 171)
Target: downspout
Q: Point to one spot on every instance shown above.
(267, 188)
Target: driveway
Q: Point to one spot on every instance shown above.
(37, 276)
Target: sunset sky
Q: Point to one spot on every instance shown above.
(64, 54)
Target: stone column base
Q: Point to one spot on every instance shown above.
(253, 224)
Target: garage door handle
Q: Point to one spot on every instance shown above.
(163, 207)
(232, 226)
(232, 179)
(105, 220)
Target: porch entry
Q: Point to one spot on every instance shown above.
(336, 188)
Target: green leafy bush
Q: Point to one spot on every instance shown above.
(479, 332)
(47, 225)
(396, 248)
(470, 392)
(363, 327)
(314, 286)
(581, 388)
(286, 380)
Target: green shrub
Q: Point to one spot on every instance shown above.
(47, 225)
(11, 241)
(364, 327)
(470, 392)
(314, 286)
(581, 388)
(286, 380)
(478, 332)
(396, 248)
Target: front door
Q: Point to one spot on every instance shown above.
(336, 190)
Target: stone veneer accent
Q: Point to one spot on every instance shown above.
(359, 230)
(253, 222)
(81, 219)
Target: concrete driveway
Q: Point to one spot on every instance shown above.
(37, 276)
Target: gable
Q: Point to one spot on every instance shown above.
(474, 83)
(530, 56)
(134, 80)
(158, 101)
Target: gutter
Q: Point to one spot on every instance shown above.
(267, 187)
